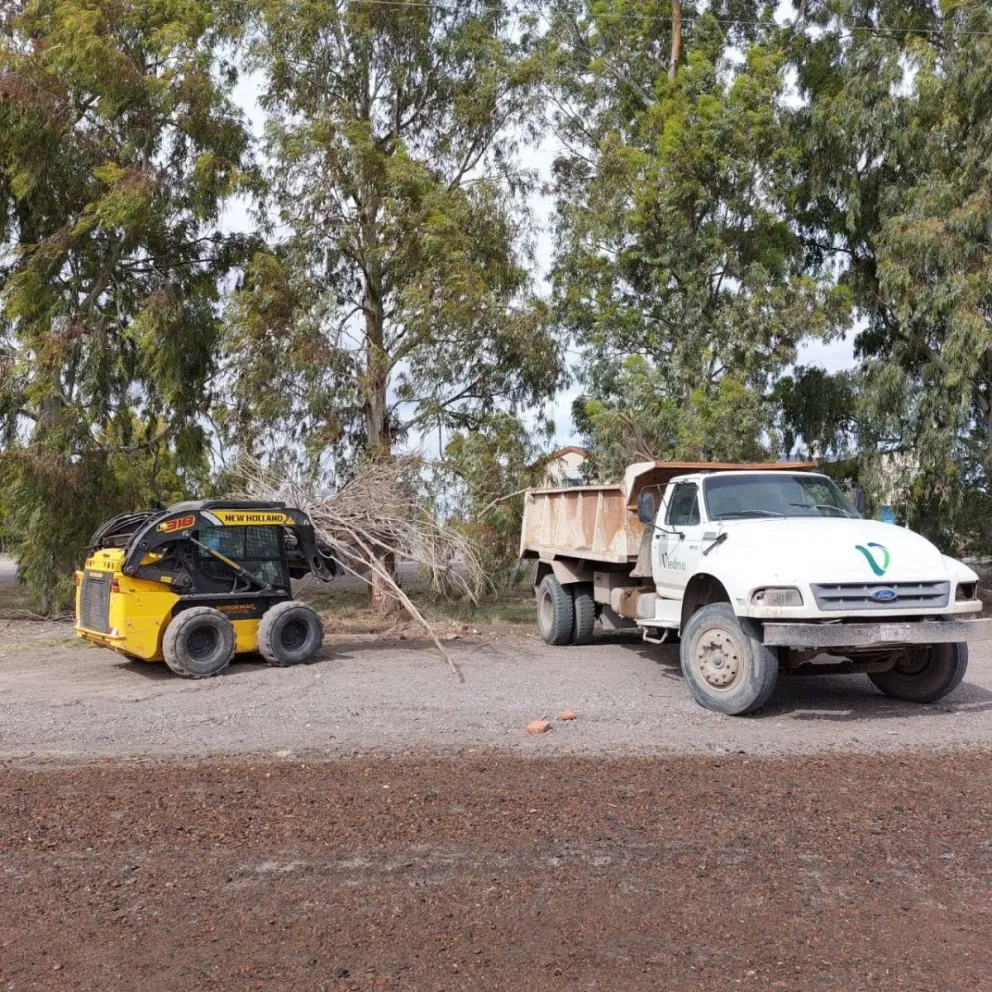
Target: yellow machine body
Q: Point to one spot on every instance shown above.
(129, 615)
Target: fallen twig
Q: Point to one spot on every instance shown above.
(378, 516)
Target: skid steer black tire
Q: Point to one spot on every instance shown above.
(585, 612)
(290, 634)
(555, 611)
(198, 643)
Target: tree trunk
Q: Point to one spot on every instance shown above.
(378, 431)
(382, 600)
(673, 66)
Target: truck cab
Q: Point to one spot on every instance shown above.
(759, 571)
(791, 546)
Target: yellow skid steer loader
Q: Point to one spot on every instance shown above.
(197, 583)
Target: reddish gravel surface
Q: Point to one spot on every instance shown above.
(485, 871)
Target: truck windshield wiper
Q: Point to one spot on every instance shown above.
(748, 513)
(822, 506)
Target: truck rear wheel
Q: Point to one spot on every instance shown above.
(925, 675)
(555, 611)
(725, 668)
(290, 634)
(198, 643)
(585, 612)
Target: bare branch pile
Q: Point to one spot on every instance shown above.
(380, 517)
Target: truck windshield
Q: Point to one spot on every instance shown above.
(737, 497)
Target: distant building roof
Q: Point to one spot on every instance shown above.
(572, 449)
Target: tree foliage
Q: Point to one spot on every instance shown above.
(399, 300)
(118, 147)
(491, 465)
(641, 420)
(894, 188)
(675, 242)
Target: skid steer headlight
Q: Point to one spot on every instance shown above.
(777, 597)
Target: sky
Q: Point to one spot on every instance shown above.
(832, 356)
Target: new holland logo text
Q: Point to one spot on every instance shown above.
(878, 569)
(250, 518)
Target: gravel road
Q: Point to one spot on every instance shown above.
(62, 698)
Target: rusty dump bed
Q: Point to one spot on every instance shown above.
(600, 522)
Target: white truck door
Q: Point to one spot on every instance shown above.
(677, 540)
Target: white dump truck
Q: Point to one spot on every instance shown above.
(761, 569)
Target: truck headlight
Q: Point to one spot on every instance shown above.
(966, 591)
(777, 597)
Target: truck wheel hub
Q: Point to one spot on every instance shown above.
(718, 658)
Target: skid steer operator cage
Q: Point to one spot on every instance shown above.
(217, 529)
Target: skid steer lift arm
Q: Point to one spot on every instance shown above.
(178, 523)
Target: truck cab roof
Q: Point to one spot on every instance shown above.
(699, 476)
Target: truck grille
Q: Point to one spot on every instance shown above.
(94, 603)
(926, 596)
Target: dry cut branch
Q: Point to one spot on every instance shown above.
(380, 516)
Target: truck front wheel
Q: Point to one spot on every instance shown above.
(926, 674)
(725, 668)
(555, 611)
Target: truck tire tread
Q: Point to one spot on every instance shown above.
(943, 674)
(585, 613)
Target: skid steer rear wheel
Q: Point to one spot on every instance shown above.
(290, 634)
(198, 643)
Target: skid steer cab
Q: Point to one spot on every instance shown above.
(200, 582)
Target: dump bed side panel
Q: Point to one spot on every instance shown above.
(589, 522)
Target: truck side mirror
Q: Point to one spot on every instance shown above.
(645, 508)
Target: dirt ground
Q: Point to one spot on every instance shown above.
(494, 872)
(369, 823)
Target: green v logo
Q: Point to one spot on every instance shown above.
(875, 567)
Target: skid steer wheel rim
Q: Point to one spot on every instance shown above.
(201, 642)
(294, 635)
(719, 659)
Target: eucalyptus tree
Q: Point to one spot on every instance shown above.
(397, 296)
(896, 188)
(119, 146)
(680, 270)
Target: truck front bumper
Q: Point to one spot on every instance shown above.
(875, 635)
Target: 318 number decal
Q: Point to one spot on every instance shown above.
(177, 523)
